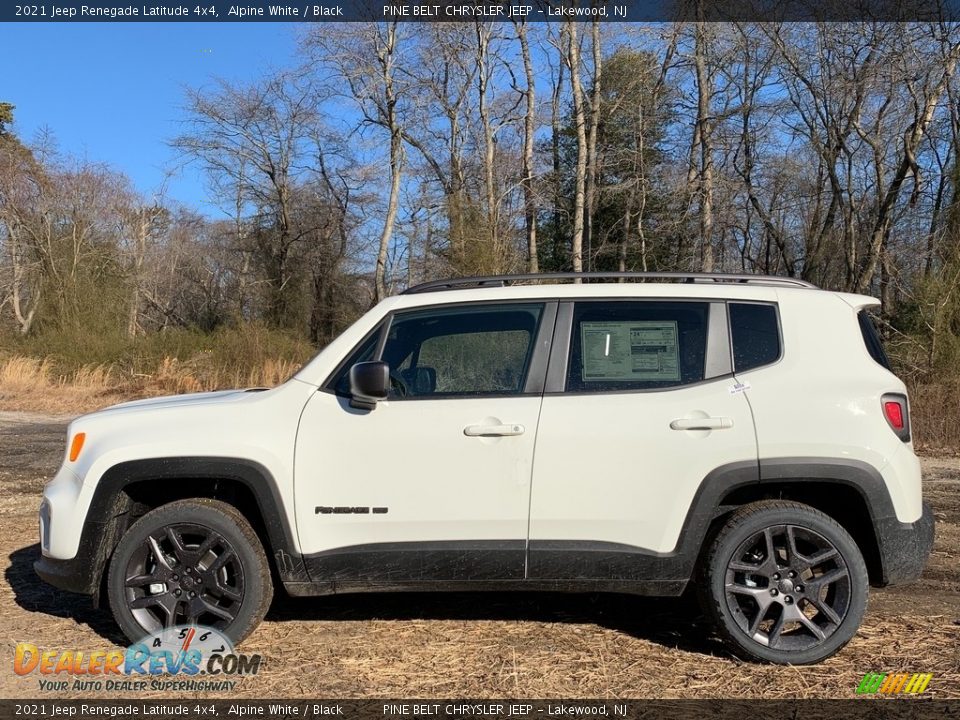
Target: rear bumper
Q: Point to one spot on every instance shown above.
(905, 547)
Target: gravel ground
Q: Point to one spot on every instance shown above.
(486, 645)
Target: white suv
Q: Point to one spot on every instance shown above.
(741, 433)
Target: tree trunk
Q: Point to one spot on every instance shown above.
(573, 63)
(385, 56)
(704, 91)
(529, 126)
(558, 239)
(22, 316)
(494, 261)
(592, 170)
(143, 229)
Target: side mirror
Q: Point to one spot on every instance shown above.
(369, 384)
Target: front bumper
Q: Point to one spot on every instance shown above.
(905, 547)
(82, 572)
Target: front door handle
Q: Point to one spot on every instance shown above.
(492, 430)
(707, 423)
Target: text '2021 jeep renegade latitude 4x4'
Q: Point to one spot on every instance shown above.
(744, 434)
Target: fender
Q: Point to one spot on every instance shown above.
(104, 521)
(708, 503)
(859, 475)
(258, 479)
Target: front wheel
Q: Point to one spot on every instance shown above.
(784, 583)
(190, 562)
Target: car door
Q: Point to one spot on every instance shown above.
(433, 484)
(640, 407)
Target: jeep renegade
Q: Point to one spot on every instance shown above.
(741, 434)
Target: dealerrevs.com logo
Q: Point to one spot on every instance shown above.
(180, 658)
(894, 683)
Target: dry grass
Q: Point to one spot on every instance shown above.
(35, 385)
(935, 407)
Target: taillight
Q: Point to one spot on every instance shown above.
(895, 410)
(894, 414)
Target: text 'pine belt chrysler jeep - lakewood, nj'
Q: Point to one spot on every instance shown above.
(743, 434)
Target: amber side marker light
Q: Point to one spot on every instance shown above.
(77, 445)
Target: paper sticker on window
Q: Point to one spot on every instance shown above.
(639, 350)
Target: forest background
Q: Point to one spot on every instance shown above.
(392, 153)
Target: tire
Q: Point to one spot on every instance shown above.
(211, 570)
(797, 603)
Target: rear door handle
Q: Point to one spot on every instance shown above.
(492, 430)
(708, 423)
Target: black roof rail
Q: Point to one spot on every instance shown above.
(504, 280)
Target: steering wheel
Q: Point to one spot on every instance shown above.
(399, 384)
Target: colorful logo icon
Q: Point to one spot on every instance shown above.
(894, 683)
(181, 649)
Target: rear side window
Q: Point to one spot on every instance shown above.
(871, 338)
(636, 345)
(755, 335)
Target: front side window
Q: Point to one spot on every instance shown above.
(461, 351)
(636, 345)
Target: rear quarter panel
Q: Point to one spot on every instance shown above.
(822, 399)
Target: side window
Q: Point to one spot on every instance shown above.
(636, 345)
(461, 351)
(755, 335)
(871, 338)
(340, 382)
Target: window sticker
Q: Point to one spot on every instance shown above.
(637, 350)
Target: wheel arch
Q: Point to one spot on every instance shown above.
(851, 492)
(129, 489)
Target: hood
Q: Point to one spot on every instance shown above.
(219, 396)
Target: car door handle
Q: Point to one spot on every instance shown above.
(492, 430)
(708, 423)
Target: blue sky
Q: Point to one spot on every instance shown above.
(113, 93)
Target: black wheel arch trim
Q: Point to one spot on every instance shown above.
(99, 536)
(902, 547)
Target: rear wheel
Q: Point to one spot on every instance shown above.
(191, 562)
(784, 583)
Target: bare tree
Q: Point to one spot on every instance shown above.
(590, 188)
(484, 71)
(529, 128)
(444, 78)
(572, 60)
(366, 56)
(22, 184)
(142, 224)
(704, 138)
(249, 138)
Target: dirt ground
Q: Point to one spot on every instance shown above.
(486, 645)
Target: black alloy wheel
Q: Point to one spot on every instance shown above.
(788, 587)
(184, 574)
(190, 562)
